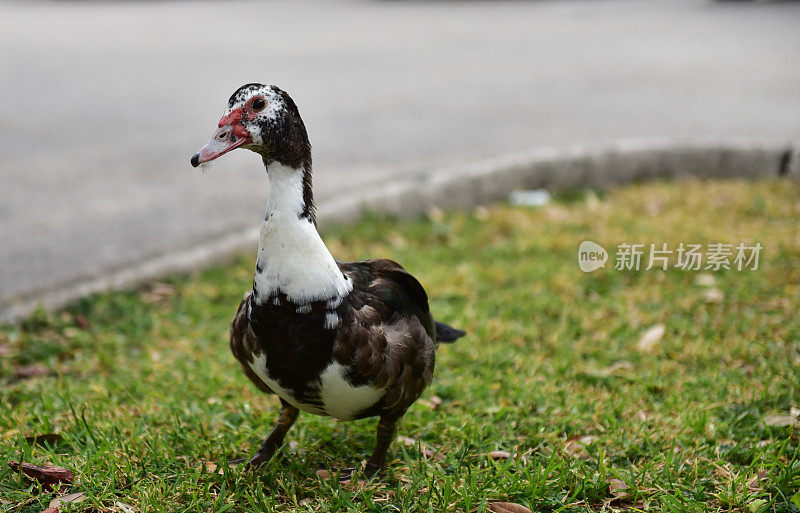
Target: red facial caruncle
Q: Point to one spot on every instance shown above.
(234, 120)
(231, 133)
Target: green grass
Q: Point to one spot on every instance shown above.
(144, 391)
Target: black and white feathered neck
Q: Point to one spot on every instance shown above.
(292, 259)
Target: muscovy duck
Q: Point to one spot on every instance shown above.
(348, 340)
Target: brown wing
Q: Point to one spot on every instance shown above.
(385, 337)
(244, 345)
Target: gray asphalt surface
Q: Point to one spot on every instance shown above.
(103, 103)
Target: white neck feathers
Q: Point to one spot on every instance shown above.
(292, 259)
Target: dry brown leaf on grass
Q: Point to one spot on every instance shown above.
(713, 295)
(360, 483)
(212, 467)
(615, 369)
(617, 488)
(81, 321)
(219, 469)
(158, 292)
(31, 371)
(326, 474)
(63, 499)
(705, 280)
(48, 475)
(508, 507)
(121, 507)
(47, 438)
(435, 214)
(575, 446)
(481, 213)
(498, 455)
(407, 441)
(426, 451)
(397, 240)
(651, 338)
(557, 213)
(433, 403)
(431, 454)
(655, 206)
(781, 420)
(754, 482)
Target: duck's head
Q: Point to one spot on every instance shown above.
(263, 119)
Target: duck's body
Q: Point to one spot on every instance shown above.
(348, 340)
(348, 357)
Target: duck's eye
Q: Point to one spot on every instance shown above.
(259, 104)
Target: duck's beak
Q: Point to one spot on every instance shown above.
(230, 135)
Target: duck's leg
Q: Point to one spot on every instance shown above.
(385, 433)
(274, 440)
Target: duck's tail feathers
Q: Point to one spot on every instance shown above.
(447, 334)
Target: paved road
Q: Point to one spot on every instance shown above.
(103, 103)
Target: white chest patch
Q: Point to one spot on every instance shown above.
(259, 366)
(343, 400)
(339, 398)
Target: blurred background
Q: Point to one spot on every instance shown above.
(104, 103)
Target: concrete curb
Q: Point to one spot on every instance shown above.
(466, 186)
(579, 166)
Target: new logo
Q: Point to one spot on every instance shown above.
(591, 256)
